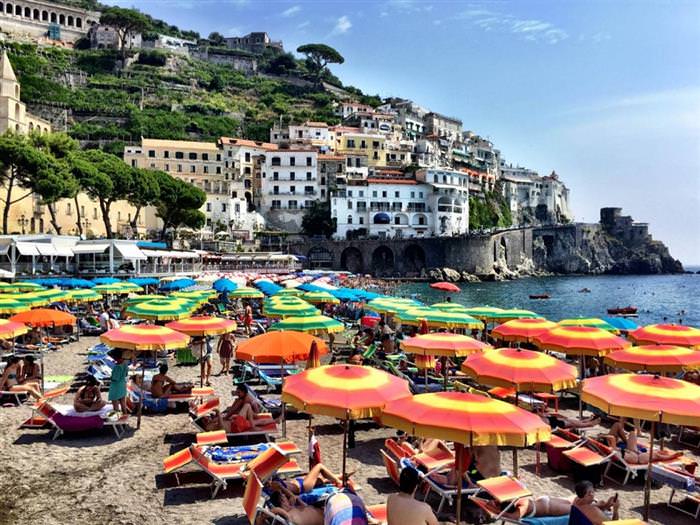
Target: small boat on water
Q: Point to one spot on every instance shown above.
(584, 290)
(539, 296)
(626, 310)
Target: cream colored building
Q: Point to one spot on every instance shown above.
(28, 215)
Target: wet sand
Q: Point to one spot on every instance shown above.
(101, 479)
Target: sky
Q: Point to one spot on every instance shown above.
(607, 93)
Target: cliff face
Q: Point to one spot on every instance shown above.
(591, 248)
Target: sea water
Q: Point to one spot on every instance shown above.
(673, 297)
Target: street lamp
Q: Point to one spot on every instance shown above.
(87, 225)
(23, 223)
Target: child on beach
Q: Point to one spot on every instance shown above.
(117, 385)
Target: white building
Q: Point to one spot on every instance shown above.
(449, 200)
(242, 161)
(289, 185)
(106, 37)
(316, 134)
(44, 19)
(171, 43)
(534, 199)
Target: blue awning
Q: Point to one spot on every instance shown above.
(382, 218)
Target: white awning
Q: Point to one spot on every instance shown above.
(172, 254)
(26, 248)
(63, 251)
(130, 251)
(46, 248)
(90, 248)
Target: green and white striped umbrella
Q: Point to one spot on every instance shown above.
(314, 324)
(161, 310)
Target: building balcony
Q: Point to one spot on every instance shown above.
(383, 206)
(287, 179)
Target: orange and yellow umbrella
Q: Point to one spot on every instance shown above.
(521, 330)
(468, 419)
(666, 334)
(343, 391)
(443, 344)
(11, 329)
(655, 358)
(513, 313)
(524, 370)
(203, 325)
(44, 317)
(145, 337)
(283, 346)
(580, 340)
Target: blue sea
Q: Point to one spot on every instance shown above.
(674, 297)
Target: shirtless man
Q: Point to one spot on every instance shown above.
(163, 385)
(294, 510)
(596, 512)
(403, 509)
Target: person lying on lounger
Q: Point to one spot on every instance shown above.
(562, 421)
(88, 397)
(294, 510)
(319, 475)
(627, 443)
(542, 506)
(162, 385)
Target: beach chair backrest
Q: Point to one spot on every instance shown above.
(391, 467)
(267, 463)
(251, 497)
(396, 449)
(56, 392)
(600, 447)
(45, 409)
(177, 460)
(576, 517)
(214, 437)
(206, 407)
(504, 488)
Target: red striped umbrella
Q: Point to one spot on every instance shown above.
(444, 286)
(524, 370)
(521, 330)
(666, 334)
(11, 329)
(655, 358)
(203, 325)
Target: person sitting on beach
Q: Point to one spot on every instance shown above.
(31, 372)
(596, 512)
(294, 509)
(163, 385)
(355, 358)
(241, 416)
(88, 397)
(10, 379)
(403, 509)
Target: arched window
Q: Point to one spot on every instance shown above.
(17, 91)
(37, 15)
(17, 111)
(18, 10)
(8, 8)
(70, 20)
(53, 18)
(62, 19)
(349, 219)
(27, 12)
(31, 126)
(45, 16)
(78, 22)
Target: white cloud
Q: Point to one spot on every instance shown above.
(342, 25)
(406, 6)
(528, 29)
(304, 24)
(291, 11)
(600, 37)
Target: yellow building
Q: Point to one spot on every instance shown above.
(28, 215)
(373, 146)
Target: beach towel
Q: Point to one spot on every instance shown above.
(319, 494)
(345, 508)
(238, 454)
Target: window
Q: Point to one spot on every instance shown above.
(349, 204)
(435, 178)
(151, 153)
(362, 220)
(375, 144)
(82, 211)
(292, 161)
(349, 162)
(247, 156)
(275, 190)
(309, 190)
(206, 169)
(420, 194)
(167, 167)
(205, 156)
(363, 144)
(276, 205)
(397, 220)
(396, 194)
(218, 157)
(292, 189)
(349, 219)
(133, 163)
(374, 193)
(384, 194)
(223, 207)
(68, 208)
(308, 204)
(357, 162)
(351, 143)
(234, 194)
(179, 168)
(192, 169)
(119, 216)
(308, 175)
(179, 155)
(94, 213)
(275, 161)
(361, 206)
(413, 194)
(192, 156)
(292, 205)
(349, 193)
(275, 175)
(362, 193)
(208, 206)
(153, 165)
(292, 175)
(218, 170)
(308, 161)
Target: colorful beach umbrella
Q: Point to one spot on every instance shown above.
(287, 292)
(449, 307)
(144, 281)
(195, 295)
(588, 321)
(145, 337)
(391, 305)
(438, 318)
(655, 358)
(523, 370)
(161, 310)
(621, 323)
(580, 341)
(83, 295)
(443, 345)
(44, 317)
(12, 306)
(521, 330)
(29, 298)
(484, 313)
(203, 325)
(27, 286)
(444, 286)
(135, 299)
(313, 324)
(106, 280)
(177, 284)
(246, 293)
(112, 289)
(282, 346)
(289, 309)
(320, 298)
(648, 397)
(7, 288)
(666, 334)
(52, 295)
(224, 285)
(513, 313)
(11, 329)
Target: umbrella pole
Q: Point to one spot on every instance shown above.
(647, 483)
(143, 378)
(345, 449)
(443, 360)
(515, 462)
(580, 391)
(284, 405)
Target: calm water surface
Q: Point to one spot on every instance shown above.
(656, 296)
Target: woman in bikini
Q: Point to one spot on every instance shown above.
(319, 475)
(10, 380)
(31, 372)
(88, 397)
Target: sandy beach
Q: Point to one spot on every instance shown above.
(101, 479)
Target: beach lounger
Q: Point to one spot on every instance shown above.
(392, 467)
(444, 492)
(561, 441)
(64, 419)
(494, 514)
(162, 404)
(505, 491)
(632, 470)
(683, 482)
(252, 504)
(206, 408)
(689, 436)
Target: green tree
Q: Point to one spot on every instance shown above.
(282, 65)
(144, 191)
(178, 203)
(317, 219)
(216, 38)
(110, 182)
(126, 22)
(84, 172)
(318, 56)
